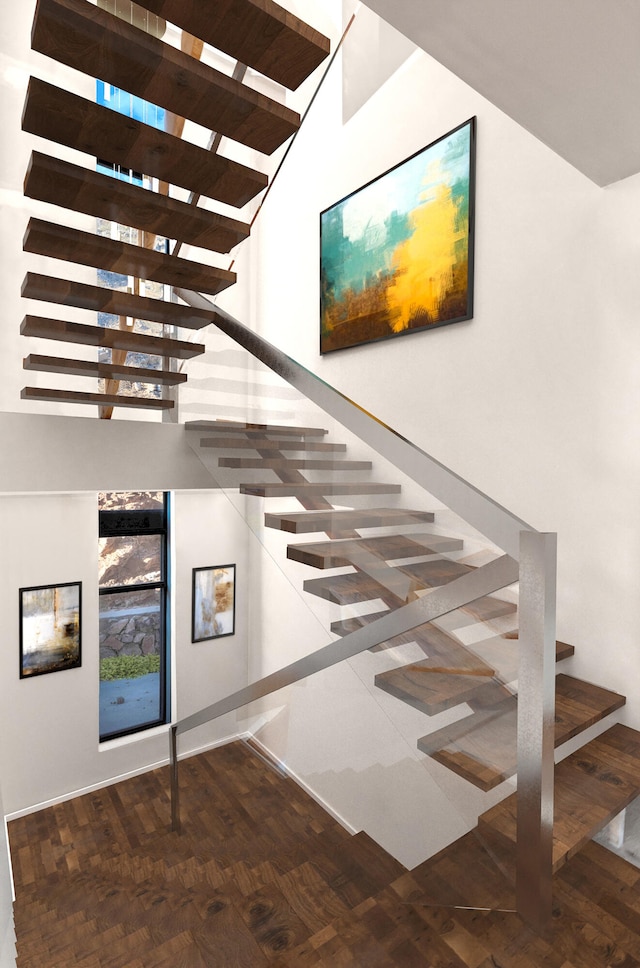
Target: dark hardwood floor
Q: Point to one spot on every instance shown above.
(262, 876)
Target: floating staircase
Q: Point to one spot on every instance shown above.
(480, 747)
(91, 39)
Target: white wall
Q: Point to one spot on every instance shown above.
(49, 724)
(7, 934)
(534, 401)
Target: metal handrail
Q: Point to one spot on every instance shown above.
(482, 512)
(482, 581)
(536, 572)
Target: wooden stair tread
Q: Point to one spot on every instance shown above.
(323, 488)
(427, 687)
(358, 587)
(102, 45)
(271, 446)
(482, 747)
(92, 193)
(103, 300)
(302, 522)
(258, 33)
(42, 394)
(285, 463)
(117, 339)
(65, 118)
(104, 371)
(592, 786)
(337, 554)
(253, 429)
(85, 248)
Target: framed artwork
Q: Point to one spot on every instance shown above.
(50, 628)
(214, 602)
(396, 256)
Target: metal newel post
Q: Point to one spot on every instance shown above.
(536, 711)
(175, 790)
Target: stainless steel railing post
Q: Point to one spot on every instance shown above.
(175, 789)
(536, 710)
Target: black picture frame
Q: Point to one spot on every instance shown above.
(397, 254)
(213, 602)
(50, 628)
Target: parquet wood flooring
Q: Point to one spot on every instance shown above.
(262, 876)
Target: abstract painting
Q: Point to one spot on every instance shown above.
(214, 602)
(50, 630)
(396, 256)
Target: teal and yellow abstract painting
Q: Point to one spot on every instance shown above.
(396, 256)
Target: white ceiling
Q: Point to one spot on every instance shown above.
(566, 70)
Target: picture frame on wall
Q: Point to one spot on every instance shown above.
(213, 611)
(50, 628)
(396, 256)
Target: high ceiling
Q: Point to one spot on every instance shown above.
(566, 70)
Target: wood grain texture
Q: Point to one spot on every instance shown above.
(42, 394)
(324, 488)
(81, 190)
(85, 248)
(223, 427)
(307, 523)
(102, 371)
(337, 554)
(118, 339)
(358, 587)
(285, 463)
(67, 119)
(592, 785)
(482, 747)
(103, 300)
(258, 33)
(262, 876)
(102, 45)
(264, 444)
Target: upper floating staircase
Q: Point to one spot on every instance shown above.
(592, 785)
(133, 57)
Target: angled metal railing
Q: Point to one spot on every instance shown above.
(530, 557)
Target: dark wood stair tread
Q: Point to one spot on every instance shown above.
(117, 339)
(284, 464)
(103, 371)
(104, 300)
(482, 747)
(65, 118)
(592, 786)
(92, 193)
(452, 676)
(42, 394)
(337, 554)
(85, 248)
(301, 522)
(428, 687)
(359, 587)
(321, 488)
(102, 45)
(253, 429)
(256, 32)
(271, 446)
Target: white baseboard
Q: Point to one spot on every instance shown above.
(71, 795)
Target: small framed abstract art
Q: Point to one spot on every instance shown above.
(50, 628)
(396, 256)
(214, 602)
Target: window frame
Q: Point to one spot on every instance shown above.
(122, 523)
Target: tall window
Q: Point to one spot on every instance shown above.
(133, 576)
